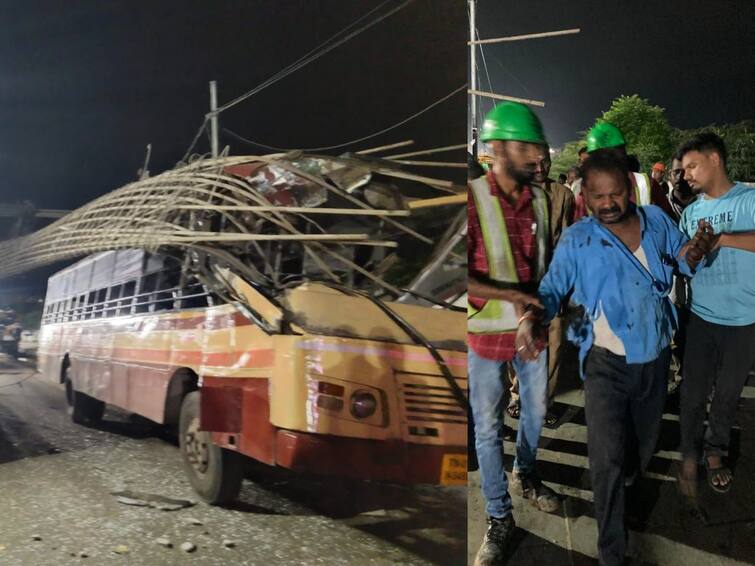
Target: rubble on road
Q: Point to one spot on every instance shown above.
(188, 546)
(155, 501)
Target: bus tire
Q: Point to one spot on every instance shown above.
(82, 408)
(214, 472)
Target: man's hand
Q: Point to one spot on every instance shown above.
(523, 300)
(705, 239)
(702, 243)
(528, 346)
(482, 289)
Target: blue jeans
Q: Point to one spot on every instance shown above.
(487, 395)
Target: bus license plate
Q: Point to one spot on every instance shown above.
(453, 470)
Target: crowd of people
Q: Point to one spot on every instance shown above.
(631, 268)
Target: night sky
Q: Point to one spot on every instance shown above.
(85, 86)
(693, 58)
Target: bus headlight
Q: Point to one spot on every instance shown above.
(363, 404)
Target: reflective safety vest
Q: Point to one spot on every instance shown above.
(642, 190)
(496, 316)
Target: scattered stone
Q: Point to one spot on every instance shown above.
(134, 502)
(83, 554)
(121, 549)
(164, 541)
(376, 513)
(229, 543)
(188, 546)
(2, 547)
(36, 537)
(193, 521)
(128, 497)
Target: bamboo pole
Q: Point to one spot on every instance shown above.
(411, 177)
(433, 164)
(525, 36)
(273, 208)
(504, 97)
(385, 147)
(427, 151)
(438, 201)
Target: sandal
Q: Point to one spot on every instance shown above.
(687, 485)
(719, 474)
(513, 409)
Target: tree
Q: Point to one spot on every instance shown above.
(566, 158)
(645, 129)
(740, 145)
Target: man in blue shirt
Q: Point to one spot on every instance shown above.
(618, 266)
(721, 331)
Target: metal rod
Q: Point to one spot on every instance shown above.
(214, 118)
(522, 37)
(504, 97)
(472, 64)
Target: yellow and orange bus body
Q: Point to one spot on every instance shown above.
(282, 399)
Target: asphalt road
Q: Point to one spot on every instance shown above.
(57, 507)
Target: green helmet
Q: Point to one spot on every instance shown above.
(604, 135)
(512, 121)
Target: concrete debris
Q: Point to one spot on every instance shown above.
(129, 501)
(159, 502)
(188, 546)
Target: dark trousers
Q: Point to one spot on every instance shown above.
(716, 355)
(623, 406)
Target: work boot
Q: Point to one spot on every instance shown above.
(536, 492)
(495, 544)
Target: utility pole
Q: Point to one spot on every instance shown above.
(473, 74)
(214, 118)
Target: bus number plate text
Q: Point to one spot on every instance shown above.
(453, 470)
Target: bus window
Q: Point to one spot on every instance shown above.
(99, 303)
(146, 297)
(167, 287)
(111, 304)
(126, 299)
(192, 295)
(89, 307)
(79, 308)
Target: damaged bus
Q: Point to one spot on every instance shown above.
(307, 374)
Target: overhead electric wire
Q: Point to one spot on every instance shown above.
(305, 60)
(195, 140)
(485, 65)
(351, 142)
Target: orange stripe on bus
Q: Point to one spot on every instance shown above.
(243, 359)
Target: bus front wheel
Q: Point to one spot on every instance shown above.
(82, 408)
(214, 472)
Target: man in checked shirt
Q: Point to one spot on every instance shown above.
(508, 247)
